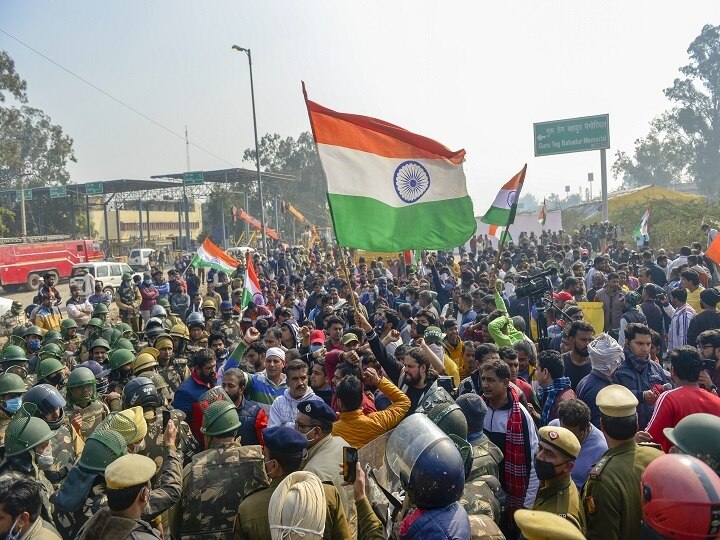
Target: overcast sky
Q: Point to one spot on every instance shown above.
(472, 75)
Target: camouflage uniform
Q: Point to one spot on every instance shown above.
(9, 473)
(72, 353)
(483, 495)
(230, 328)
(4, 421)
(213, 486)
(198, 344)
(128, 300)
(69, 522)
(10, 321)
(162, 498)
(174, 373)
(92, 415)
(67, 445)
(155, 445)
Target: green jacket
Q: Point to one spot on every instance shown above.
(611, 495)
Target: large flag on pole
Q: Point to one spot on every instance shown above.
(641, 231)
(390, 189)
(502, 211)
(251, 287)
(209, 255)
(542, 217)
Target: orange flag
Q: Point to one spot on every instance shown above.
(713, 250)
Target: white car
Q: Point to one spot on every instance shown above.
(239, 253)
(110, 273)
(140, 257)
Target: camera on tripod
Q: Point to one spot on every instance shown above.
(536, 286)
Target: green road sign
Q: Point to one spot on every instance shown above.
(58, 192)
(572, 135)
(94, 188)
(28, 194)
(193, 178)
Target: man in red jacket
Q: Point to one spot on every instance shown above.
(187, 397)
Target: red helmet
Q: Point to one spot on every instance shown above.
(681, 497)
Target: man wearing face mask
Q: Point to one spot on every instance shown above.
(612, 298)
(227, 324)
(233, 471)
(33, 340)
(20, 504)
(12, 387)
(28, 453)
(325, 450)
(128, 493)
(558, 449)
(66, 442)
(173, 370)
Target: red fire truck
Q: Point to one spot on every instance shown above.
(25, 262)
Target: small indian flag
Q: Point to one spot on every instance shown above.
(251, 287)
(543, 216)
(502, 211)
(496, 231)
(641, 231)
(211, 256)
(390, 189)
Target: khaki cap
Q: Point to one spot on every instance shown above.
(163, 341)
(135, 414)
(561, 439)
(616, 401)
(128, 471)
(538, 525)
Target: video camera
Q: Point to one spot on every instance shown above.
(535, 286)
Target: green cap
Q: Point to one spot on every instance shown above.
(47, 367)
(11, 383)
(100, 309)
(25, 432)
(32, 331)
(220, 418)
(50, 350)
(127, 276)
(121, 357)
(13, 353)
(68, 323)
(124, 343)
(52, 336)
(95, 322)
(101, 449)
(99, 342)
(698, 435)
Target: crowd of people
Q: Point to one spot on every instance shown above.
(481, 401)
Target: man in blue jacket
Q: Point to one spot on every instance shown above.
(643, 377)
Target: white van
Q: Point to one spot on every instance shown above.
(110, 273)
(140, 257)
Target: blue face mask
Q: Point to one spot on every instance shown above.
(316, 347)
(379, 325)
(12, 405)
(33, 345)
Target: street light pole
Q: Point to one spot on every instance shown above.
(257, 150)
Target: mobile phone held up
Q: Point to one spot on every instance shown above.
(350, 459)
(165, 418)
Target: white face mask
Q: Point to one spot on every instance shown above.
(45, 460)
(12, 534)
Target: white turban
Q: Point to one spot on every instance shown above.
(298, 508)
(606, 354)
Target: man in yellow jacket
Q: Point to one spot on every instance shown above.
(357, 428)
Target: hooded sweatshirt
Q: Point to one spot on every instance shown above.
(284, 409)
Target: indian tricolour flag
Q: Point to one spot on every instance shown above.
(543, 215)
(641, 231)
(390, 189)
(251, 287)
(211, 256)
(502, 211)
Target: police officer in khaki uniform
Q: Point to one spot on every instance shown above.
(558, 449)
(539, 525)
(611, 497)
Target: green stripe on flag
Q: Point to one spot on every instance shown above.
(497, 216)
(366, 223)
